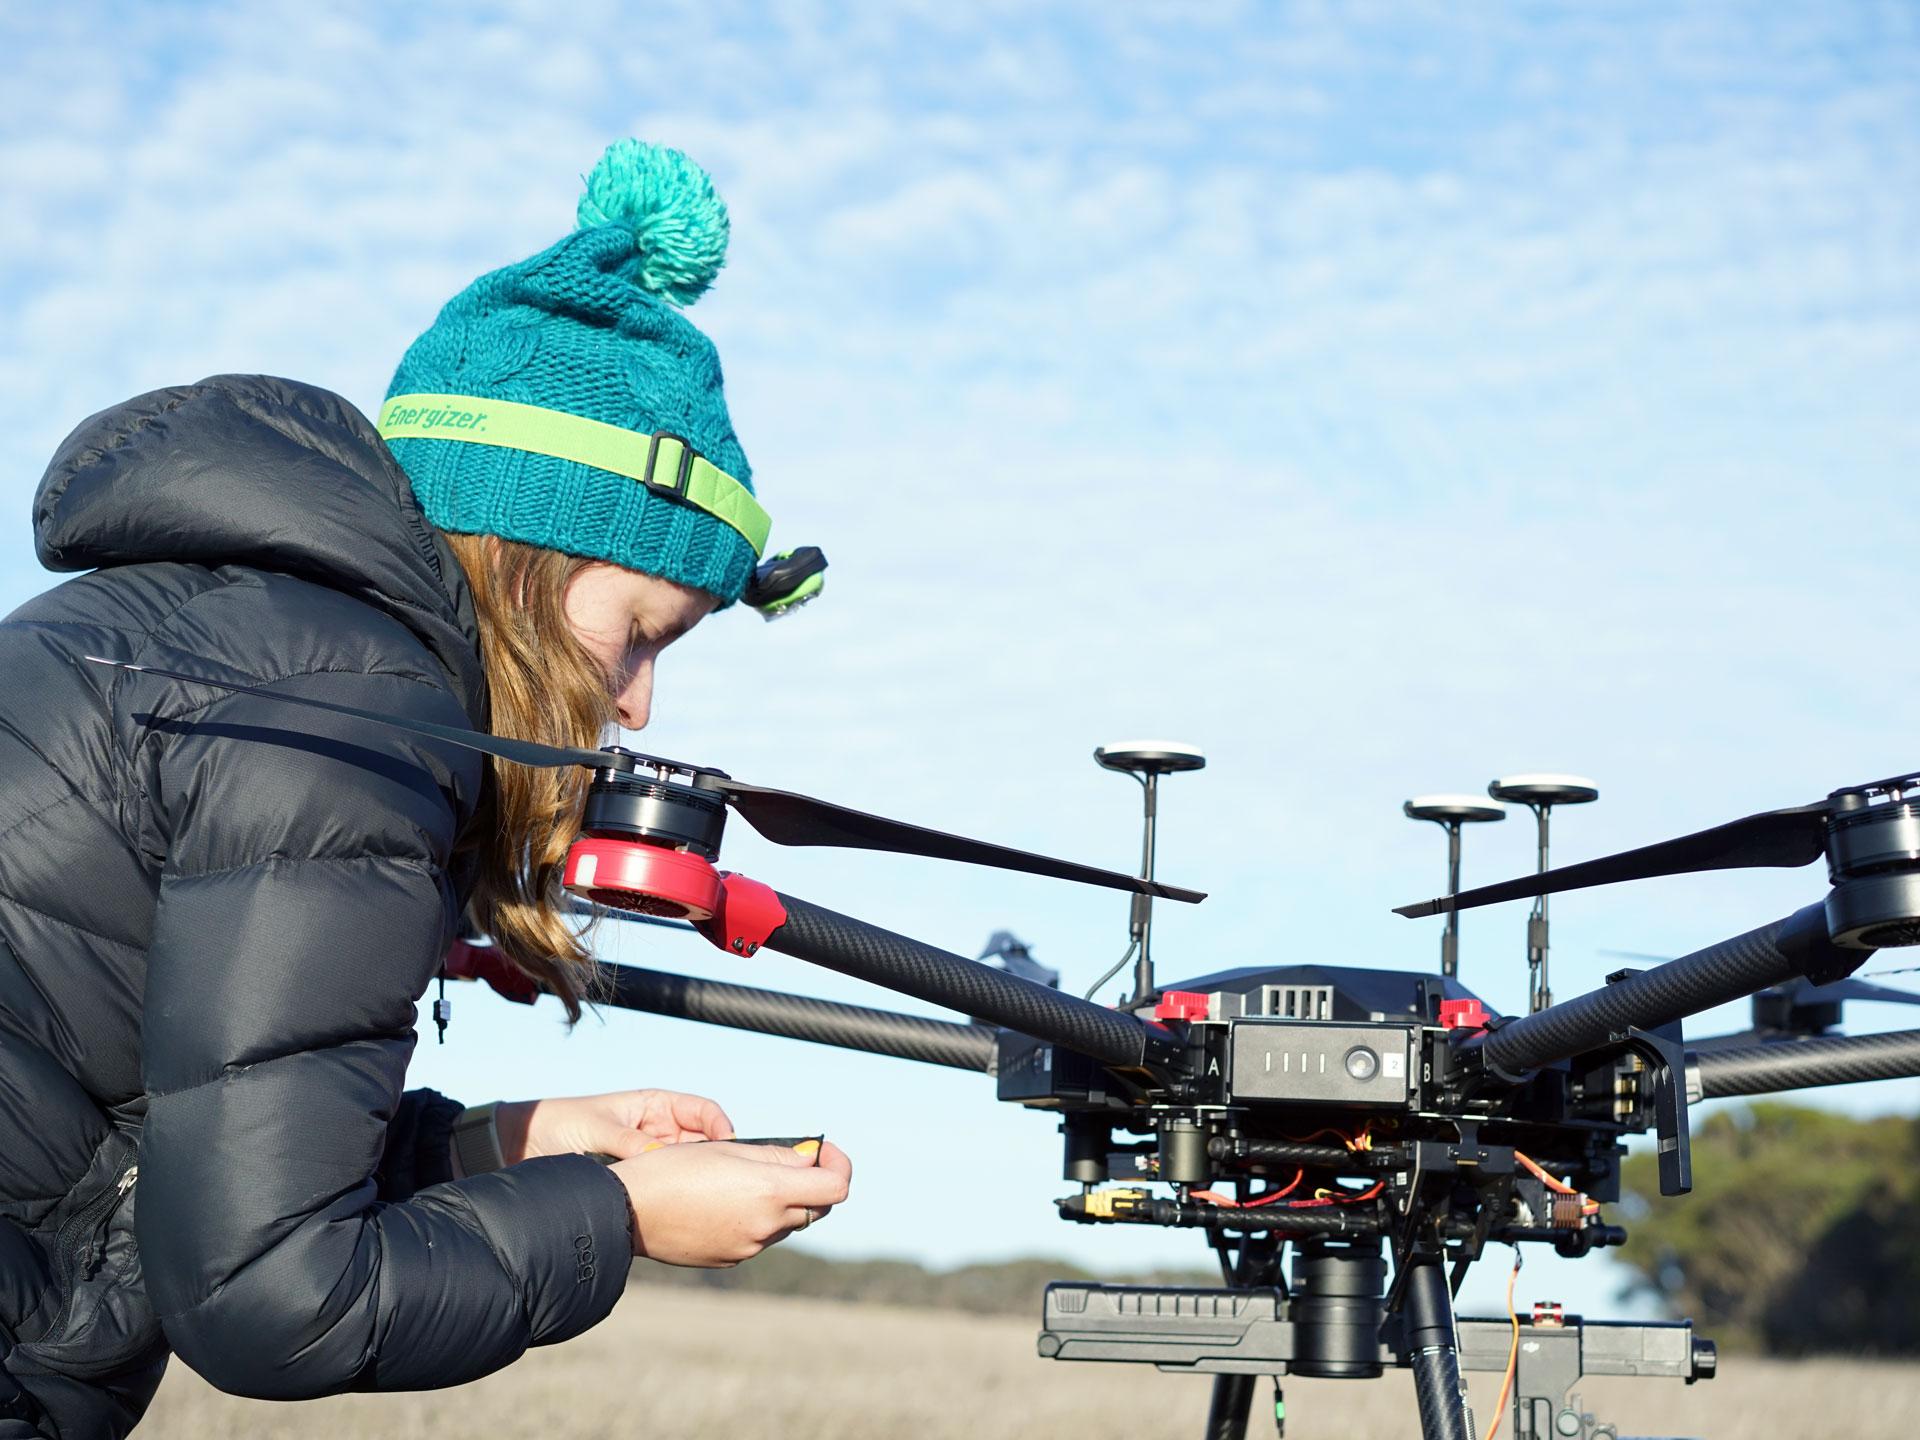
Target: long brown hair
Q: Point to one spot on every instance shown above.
(544, 686)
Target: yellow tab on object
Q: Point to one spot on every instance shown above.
(660, 461)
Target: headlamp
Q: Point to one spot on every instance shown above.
(782, 584)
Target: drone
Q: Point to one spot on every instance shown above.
(1378, 1127)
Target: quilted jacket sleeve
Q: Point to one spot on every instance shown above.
(419, 1150)
(303, 907)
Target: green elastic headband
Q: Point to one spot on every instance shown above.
(660, 461)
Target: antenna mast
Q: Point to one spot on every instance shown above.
(1146, 761)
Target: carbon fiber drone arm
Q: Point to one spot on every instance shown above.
(866, 952)
(802, 1017)
(742, 1007)
(1781, 950)
(1802, 1064)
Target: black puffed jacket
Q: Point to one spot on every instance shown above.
(216, 916)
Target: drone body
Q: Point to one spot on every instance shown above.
(1380, 1122)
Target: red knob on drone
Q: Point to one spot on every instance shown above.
(1463, 1014)
(632, 875)
(1186, 1005)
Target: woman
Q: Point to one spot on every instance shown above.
(217, 912)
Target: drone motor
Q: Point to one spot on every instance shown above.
(1873, 860)
(647, 843)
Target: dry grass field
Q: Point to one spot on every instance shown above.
(686, 1365)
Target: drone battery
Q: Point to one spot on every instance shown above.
(1323, 1063)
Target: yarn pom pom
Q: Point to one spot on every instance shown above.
(679, 223)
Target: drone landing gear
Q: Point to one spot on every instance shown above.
(1256, 1262)
(1232, 1406)
(1433, 1353)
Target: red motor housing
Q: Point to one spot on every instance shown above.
(633, 875)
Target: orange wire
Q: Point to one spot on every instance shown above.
(1343, 1198)
(1543, 1177)
(1591, 1207)
(1513, 1350)
(1292, 1185)
(1230, 1203)
(1362, 1139)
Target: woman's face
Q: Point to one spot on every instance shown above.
(625, 619)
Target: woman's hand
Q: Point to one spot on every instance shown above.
(622, 1124)
(712, 1206)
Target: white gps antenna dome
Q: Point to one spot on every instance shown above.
(1453, 809)
(1150, 757)
(1544, 789)
(1451, 812)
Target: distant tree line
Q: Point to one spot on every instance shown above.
(1801, 1236)
(1007, 1287)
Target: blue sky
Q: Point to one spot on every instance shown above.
(1384, 397)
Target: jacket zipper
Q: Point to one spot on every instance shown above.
(96, 1246)
(91, 1220)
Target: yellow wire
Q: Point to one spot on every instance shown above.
(1513, 1350)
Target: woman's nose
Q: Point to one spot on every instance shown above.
(635, 702)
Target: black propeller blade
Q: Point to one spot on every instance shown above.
(779, 815)
(1782, 838)
(1805, 992)
(1812, 994)
(1772, 1026)
(789, 819)
(521, 752)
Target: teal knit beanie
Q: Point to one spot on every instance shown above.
(590, 328)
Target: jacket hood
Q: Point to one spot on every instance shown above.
(269, 473)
